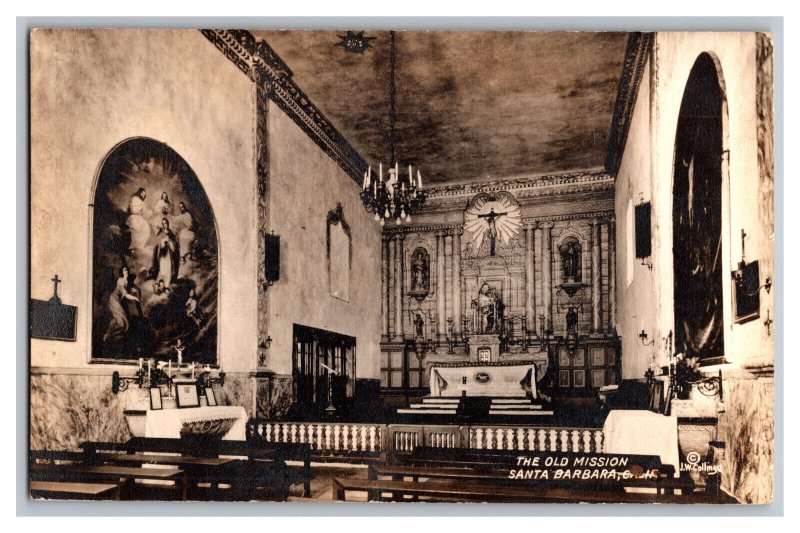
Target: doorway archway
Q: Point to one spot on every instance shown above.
(698, 175)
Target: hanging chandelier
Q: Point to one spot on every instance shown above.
(400, 194)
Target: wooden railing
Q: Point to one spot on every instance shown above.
(324, 436)
(399, 439)
(405, 437)
(536, 439)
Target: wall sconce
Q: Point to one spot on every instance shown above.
(744, 275)
(262, 350)
(643, 338)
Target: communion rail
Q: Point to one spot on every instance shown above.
(395, 440)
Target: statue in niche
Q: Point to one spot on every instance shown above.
(572, 320)
(420, 273)
(489, 309)
(419, 325)
(570, 257)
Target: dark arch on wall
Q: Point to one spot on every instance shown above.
(152, 217)
(697, 213)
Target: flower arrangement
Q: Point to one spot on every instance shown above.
(685, 373)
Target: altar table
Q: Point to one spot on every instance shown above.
(228, 421)
(483, 379)
(642, 433)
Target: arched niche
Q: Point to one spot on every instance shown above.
(154, 258)
(699, 174)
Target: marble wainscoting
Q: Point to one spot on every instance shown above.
(749, 435)
(281, 395)
(237, 390)
(67, 409)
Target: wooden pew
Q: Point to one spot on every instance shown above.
(460, 491)
(248, 466)
(494, 475)
(61, 490)
(126, 475)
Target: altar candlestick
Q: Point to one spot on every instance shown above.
(148, 371)
(410, 176)
(380, 171)
(192, 370)
(140, 363)
(169, 367)
(419, 179)
(364, 183)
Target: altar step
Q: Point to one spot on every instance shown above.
(478, 407)
(517, 407)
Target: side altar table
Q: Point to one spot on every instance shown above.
(229, 422)
(516, 378)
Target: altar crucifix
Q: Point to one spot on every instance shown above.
(490, 217)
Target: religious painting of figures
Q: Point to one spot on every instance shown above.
(154, 272)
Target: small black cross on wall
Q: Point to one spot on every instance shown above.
(55, 298)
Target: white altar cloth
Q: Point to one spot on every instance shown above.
(642, 433)
(167, 423)
(483, 379)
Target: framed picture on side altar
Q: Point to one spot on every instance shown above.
(155, 399)
(211, 398)
(186, 394)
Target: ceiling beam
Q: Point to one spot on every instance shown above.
(636, 56)
(264, 67)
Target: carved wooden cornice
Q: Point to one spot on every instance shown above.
(535, 184)
(264, 67)
(546, 221)
(635, 58)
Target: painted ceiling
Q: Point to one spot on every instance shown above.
(470, 105)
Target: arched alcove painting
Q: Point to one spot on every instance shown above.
(155, 271)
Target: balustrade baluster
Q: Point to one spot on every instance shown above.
(285, 432)
(336, 432)
(346, 438)
(587, 441)
(576, 441)
(478, 439)
(327, 437)
(510, 440)
(599, 441)
(293, 433)
(564, 440)
(319, 442)
(520, 439)
(553, 440)
(542, 440)
(490, 436)
(302, 433)
(372, 439)
(268, 432)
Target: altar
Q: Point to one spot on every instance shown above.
(226, 421)
(513, 378)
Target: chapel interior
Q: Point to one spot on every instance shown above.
(366, 242)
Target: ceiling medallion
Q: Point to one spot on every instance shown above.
(354, 42)
(398, 196)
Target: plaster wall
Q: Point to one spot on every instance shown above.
(645, 297)
(304, 185)
(91, 90)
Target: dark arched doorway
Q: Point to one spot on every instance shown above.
(697, 214)
(154, 258)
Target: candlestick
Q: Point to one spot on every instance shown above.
(148, 371)
(419, 179)
(380, 171)
(169, 367)
(192, 370)
(140, 363)
(410, 176)
(364, 183)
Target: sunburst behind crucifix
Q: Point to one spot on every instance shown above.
(492, 218)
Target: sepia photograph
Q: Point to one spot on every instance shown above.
(401, 265)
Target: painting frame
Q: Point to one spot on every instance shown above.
(156, 399)
(211, 397)
(186, 395)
